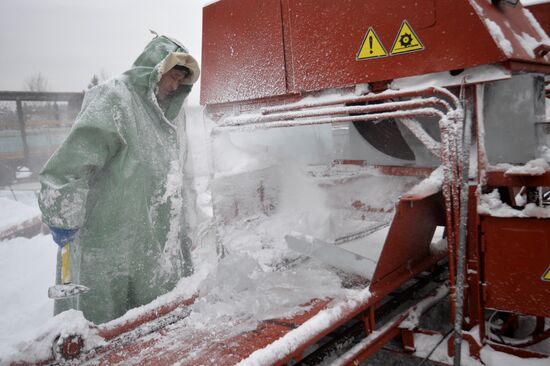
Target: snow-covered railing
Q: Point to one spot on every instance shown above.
(27, 228)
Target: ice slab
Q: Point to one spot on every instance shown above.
(369, 246)
(361, 261)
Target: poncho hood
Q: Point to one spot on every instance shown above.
(158, 57)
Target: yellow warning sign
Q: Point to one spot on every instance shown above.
(371, 47)
(406, 40)
(546, 275)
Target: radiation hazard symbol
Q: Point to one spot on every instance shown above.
(406, 40)
(371, 47)
(546, 275)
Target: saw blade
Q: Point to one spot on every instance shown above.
(332, 255)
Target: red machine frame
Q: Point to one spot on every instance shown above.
(307, 68)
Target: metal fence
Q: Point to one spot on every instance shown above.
(32, 126)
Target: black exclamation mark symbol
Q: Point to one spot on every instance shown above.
(370, 44)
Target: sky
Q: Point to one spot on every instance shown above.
(68, 41)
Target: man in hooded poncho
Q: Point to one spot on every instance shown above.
(113, 189)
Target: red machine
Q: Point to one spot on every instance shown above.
(288, 50)
(541, 11)
(406, 87)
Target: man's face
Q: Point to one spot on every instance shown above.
(170, 82)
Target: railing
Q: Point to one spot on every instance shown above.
(30, 142)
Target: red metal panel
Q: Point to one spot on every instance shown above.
(517, 254)
(254, 49)
(515, 26)
(326, 36)
(474, 312)
(542, 14)
(242, 51)
(409, 237)
(186, 345)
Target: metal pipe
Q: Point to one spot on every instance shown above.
(463, 230)
(416, 129)
(521, 343)
(389, 106)
(369, 97)
(424, 112)
(447, 195)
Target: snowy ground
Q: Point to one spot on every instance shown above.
(27, 269)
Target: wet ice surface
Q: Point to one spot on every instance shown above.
(258, 279)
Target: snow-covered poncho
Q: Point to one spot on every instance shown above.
(117, 178)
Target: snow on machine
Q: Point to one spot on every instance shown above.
(381, 161)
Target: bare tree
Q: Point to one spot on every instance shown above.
(98, 78)
(103, 75)
(36, 83)
(93, 82)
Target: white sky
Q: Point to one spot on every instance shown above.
(68, 41)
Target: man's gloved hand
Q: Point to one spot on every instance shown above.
(62, 236)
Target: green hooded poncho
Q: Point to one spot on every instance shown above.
(117, 178)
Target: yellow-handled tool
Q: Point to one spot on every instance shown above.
(66, 288)
(65, 265)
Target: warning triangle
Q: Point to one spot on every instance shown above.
(371, 47)
(406, 40)
(546, 275)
